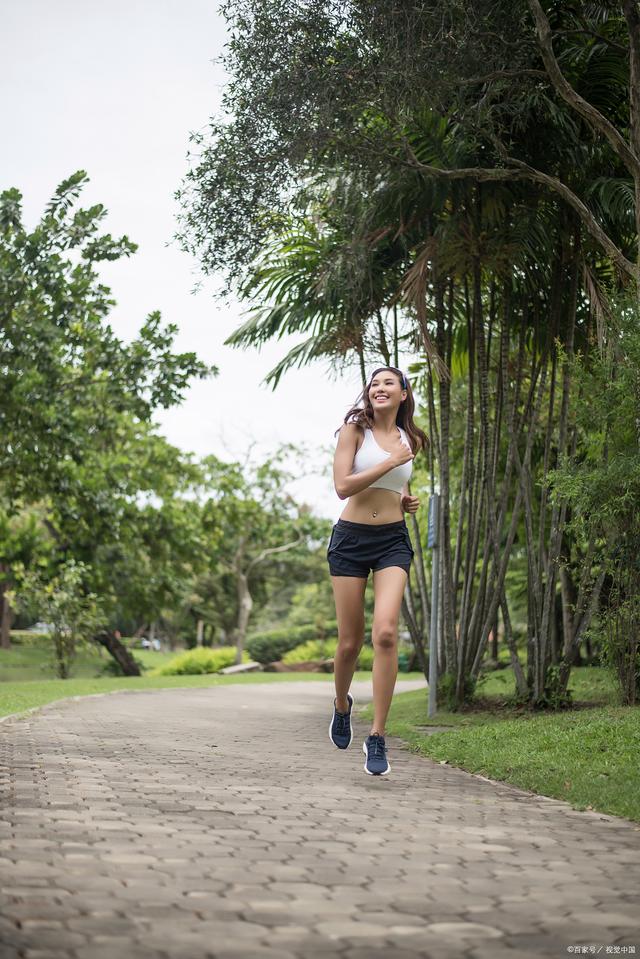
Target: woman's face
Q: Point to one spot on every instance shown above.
(385, 391)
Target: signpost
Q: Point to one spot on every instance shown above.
(433, 543)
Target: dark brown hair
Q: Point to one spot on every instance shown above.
(363, 416)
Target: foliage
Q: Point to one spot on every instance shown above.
(365, 658)
(447, 694)
(312, 603)
(328, 86)
(200, 660)
(26, 637)
(315, 650)
(601, 485)
(67, 380)
(257, 537)
(270, 646)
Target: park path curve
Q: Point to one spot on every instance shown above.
(222, 823)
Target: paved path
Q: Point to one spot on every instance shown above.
(222, 823)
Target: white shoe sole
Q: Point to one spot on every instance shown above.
(350, 724)
(386, 771)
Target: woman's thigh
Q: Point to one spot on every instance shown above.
(388, 588)
(348, 592)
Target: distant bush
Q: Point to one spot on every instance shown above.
(316, 650)
(311, 651)
(269, 646)
(365, 659)
(200, 660)
(28, 638)
(319, 649)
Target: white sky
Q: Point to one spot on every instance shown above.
(115, 89)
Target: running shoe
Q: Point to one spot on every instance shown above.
(340, 731)
(376, 763)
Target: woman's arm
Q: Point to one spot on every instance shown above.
(347, 483)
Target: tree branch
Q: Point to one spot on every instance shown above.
(270, 551)
(526, 172)
(593, 116)
(498, 74)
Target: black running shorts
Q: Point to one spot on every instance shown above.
(355, 548)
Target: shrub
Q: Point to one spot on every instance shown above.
(200, 660)
(319, 649)
(311, 651)
(365, 659)
(26, 637)
(269, 646)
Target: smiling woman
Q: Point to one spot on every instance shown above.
(372, 467)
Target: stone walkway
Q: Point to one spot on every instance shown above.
(221, 823)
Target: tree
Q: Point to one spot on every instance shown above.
(76, 404)
(257, 532)
(600, 481)
(65, 603)
(462, 190)
(326, 85)
(24, 542)
(65, 377)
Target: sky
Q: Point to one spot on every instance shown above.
(115, 89)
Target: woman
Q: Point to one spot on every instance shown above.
(372, 467)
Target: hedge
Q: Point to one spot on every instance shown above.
(318, 649)
(270, 646)
(200, 660)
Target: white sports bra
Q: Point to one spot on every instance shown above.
(370, 454)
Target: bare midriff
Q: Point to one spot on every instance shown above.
(374, 506)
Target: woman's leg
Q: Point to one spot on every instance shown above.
(348, 592)
(388, 587)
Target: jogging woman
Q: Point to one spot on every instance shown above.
(371, 468)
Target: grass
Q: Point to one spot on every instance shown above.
(33, 660)
(586, 756)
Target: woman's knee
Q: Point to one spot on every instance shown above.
(349, 646)
(384, 636)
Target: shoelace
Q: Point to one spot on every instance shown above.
(376, 746)
(342, 722)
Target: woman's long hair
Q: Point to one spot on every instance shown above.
(364, 417)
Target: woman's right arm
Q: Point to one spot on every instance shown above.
(347, 483)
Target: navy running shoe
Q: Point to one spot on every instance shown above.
(340, 731)
(376, 763)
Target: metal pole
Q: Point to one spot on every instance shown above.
(434, 517)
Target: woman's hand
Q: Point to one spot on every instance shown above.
(409, 504)
(400, 452)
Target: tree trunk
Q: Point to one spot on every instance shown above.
(6, 618)
(119, 652)
(245, 603)
(199, 632)
(412, 626)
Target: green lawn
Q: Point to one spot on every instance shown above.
(587, 755)
(32, 660)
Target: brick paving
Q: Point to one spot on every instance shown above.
(222, 823)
